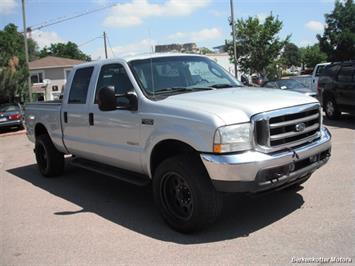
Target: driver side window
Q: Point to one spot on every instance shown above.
(114, 75)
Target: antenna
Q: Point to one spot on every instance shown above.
(151, 64)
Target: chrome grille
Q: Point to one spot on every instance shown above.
(288, 127)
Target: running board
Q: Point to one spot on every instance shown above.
(108, 170)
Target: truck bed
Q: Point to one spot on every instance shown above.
(48, 114)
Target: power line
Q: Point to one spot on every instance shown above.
(109, 44)
(89, 41)
(66, 18)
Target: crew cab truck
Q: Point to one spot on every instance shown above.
(184, 124)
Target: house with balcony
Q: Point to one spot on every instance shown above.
(49, 75)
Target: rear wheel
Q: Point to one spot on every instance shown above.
(50, 161)
(185, 195)
(331, 109)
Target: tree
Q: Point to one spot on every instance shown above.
(291, 55)
(67, 50)
(205, 50)
(338, 40)
(312, 55)
(13, 68)
(258, 45)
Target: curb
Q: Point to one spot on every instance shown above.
(21, 132)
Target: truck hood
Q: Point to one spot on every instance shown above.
(237, 105)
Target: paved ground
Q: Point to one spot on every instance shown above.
(82, 218)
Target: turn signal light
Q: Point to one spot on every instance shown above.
(217, 148)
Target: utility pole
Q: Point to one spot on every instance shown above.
(105, 45)
(234, 43)
(26, 50)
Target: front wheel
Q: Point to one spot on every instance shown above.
(331, 109)
(50, 161)
(185, 195)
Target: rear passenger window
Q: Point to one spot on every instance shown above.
(80, 85)
(346, 74)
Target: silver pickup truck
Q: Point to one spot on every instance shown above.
(182, 123)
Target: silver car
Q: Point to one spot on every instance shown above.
(290, 85)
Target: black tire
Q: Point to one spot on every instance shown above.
(50, 161)
(185, 195)
(331, 109)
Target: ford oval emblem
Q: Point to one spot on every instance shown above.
(300, 127)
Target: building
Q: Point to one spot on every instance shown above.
(223, 59)
(220, 49)
(48, 76)
(176, 47)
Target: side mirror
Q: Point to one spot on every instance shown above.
(132, 104)
(106, 99)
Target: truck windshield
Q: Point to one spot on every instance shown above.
(180, 74)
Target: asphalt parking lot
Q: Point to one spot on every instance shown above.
(82, 218)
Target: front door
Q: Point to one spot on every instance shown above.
(115, 134)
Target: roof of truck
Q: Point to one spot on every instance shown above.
(135, 57)
(153, 55)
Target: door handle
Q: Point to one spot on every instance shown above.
(65, 116)
(91, 119)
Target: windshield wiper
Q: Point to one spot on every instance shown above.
(224, 85)
(181, 89)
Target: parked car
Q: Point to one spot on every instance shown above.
(290, 85)
(186, 125)
(318, 69)
(11, 115)
(257, 80)
(336, 89)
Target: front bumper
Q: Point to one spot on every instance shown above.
(253, 171)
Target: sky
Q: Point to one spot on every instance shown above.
(134, 26)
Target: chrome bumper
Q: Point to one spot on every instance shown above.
(254, 171)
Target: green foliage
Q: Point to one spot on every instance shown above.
(205, 50)
(312, 55)
(291, 55)
(274, 70)
(67, 50)
(13, 68)
(258, 45)
(338, 40)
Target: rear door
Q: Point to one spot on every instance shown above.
(75, 112)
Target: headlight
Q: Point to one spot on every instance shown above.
(232, 138)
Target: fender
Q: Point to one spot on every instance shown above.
(200, 140)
